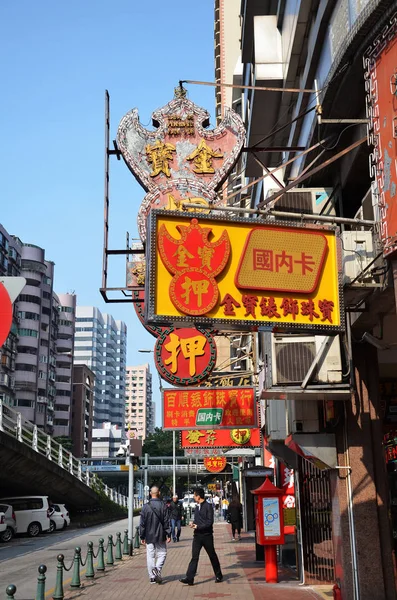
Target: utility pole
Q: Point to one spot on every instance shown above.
(173, 464)
(145, 489)
(130, 458)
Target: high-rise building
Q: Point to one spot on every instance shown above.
(106, 440)
(101, 344)
(10, 266)
(82, 410)
(139, 406)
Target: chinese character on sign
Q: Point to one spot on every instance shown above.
(229, 303)
(263, 260)
(202, 158)
(191, 348)
(198, 288)
(159, 155)
(194, 436)
(269, 308)
(308, 310)
(326, 307)
(182, 254)
(206, 255)
(211, 437)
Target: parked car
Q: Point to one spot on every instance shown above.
(32, 513)
(8, 519)
(59, 517)
(186, 500)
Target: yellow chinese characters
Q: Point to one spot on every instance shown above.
(202, 158)
(191, 348)
(159, 155)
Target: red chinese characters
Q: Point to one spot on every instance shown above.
(206, 408)
(194, 262)
(221, 438)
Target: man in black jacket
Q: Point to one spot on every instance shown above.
(176, 518)
(203, 537)
(155, 532)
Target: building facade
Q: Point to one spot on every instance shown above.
(324, 148)
(82, 410)
(101, 344)
(106, 440)
(139, 406)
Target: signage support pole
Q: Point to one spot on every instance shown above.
(130, 503)
(145, 496)
(173, 464)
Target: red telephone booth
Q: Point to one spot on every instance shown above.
(269, 525)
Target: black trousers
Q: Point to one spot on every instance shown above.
(203, 540)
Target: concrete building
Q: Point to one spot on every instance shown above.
(10, 266)
(139, 407)
(101, 344)
(106, 440)
(347, 482)
(82, 410)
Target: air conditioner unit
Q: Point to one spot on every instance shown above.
(290, 356)
(357, 254)
(369, 210)
(311, 201)
(302, 416)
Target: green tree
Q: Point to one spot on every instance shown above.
(159, 443)
(65, 441)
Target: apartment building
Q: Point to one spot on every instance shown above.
(101, 344)
(139, 406)
(82, 410)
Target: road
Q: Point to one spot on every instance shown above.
(20, 558)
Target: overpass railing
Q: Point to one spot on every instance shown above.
(14, 424)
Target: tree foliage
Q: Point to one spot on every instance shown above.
(159, 443)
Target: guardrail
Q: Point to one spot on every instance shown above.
(15, 425)
(106, 557)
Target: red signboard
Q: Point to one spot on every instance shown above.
(221, 438)
(215, 464)
(206, 408)
(5, 314)
(185, 356)
(381, 88)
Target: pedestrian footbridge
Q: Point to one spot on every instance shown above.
(31, 462)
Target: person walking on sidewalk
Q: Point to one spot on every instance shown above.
(155, 532)
(203, 536)
(236, 517)
(176, 518)
(225, 506)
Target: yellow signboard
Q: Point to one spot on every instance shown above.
(241, 274)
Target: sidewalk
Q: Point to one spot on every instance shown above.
(243, 577)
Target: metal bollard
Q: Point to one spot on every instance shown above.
(90, 573)
(125, 542)
(40, 593)
(109, 557)
(58, 592)
(76, 583)
(137, 541)
(10, 591)
(118, 555)
(101, 556)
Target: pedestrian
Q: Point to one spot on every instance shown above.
(216, 503)
(203, 536)
(225, 506)
(236, 517)
(176, 518)
(155, 532)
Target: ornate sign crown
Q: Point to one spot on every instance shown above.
(180, 159)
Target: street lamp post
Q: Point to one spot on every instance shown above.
(173, 464)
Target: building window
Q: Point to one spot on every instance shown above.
(28, 333)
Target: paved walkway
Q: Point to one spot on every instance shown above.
(243, 577)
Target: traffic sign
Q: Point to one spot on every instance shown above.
(13, 285)
(5, 314)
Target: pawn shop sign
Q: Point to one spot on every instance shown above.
(10, 288)
(215, 464)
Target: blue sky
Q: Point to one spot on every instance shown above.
(58, 59)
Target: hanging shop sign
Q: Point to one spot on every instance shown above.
(202, 452)
(221, 438)
(233, 274)
(180, 159)
(206, 408)
(215, 464)
(226, 379)
(381, 88)
(185, 356)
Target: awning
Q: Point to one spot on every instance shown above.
(308, 393)
(317, 448)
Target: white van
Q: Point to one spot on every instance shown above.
(32, 513)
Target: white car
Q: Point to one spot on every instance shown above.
(32, 513)
(59, 518)
(10, 523)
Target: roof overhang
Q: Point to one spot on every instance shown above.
(308, 393)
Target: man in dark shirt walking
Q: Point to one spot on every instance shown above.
(176, 518)
(203, 537)
(155, 532)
